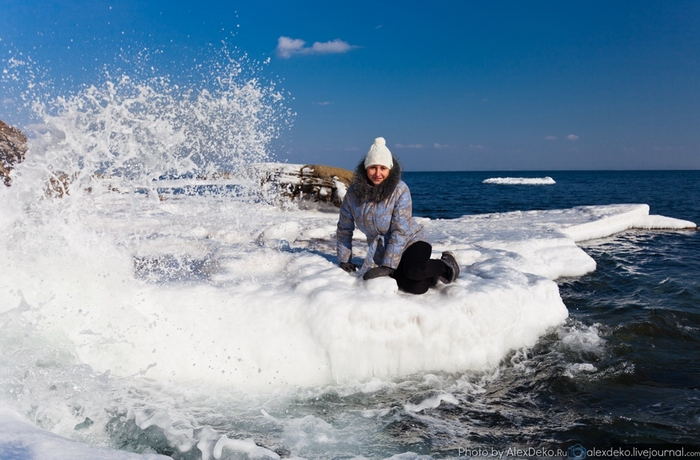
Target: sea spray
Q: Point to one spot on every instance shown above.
(136, 126)
(125, 133)
(75, 262)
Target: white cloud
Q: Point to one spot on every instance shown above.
(550, 138)
(441, 146)
(335, 46)
(572, 137)
(288, 47)
(323, 103)
(476, 147)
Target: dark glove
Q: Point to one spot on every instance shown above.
(376, 272)
(348, 267)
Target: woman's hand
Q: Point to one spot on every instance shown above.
(348, 267)
(376, 272)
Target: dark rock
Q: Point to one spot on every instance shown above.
(13, 148)
(57, 185)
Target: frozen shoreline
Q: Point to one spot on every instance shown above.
(215, 279)
(249, 297)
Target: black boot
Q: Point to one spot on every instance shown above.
(452, 267)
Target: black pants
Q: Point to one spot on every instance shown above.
(417, 272)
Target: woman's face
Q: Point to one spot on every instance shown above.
(377, 174)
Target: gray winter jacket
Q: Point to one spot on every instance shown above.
(383, 213)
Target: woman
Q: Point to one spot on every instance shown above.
(379, 203)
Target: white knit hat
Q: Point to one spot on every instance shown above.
(379, 154)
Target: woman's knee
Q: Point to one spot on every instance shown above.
(415, 272)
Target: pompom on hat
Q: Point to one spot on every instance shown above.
(379, 154)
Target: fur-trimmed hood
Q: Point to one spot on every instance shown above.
(367, 191)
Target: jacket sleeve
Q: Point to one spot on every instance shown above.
(343, 235)
(401, 230)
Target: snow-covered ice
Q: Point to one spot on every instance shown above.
(213, 292)
(217, 291)
(520, 180)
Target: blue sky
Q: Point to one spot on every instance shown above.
(451, 85)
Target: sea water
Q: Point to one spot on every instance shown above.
(160, 307)
(626, 373)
